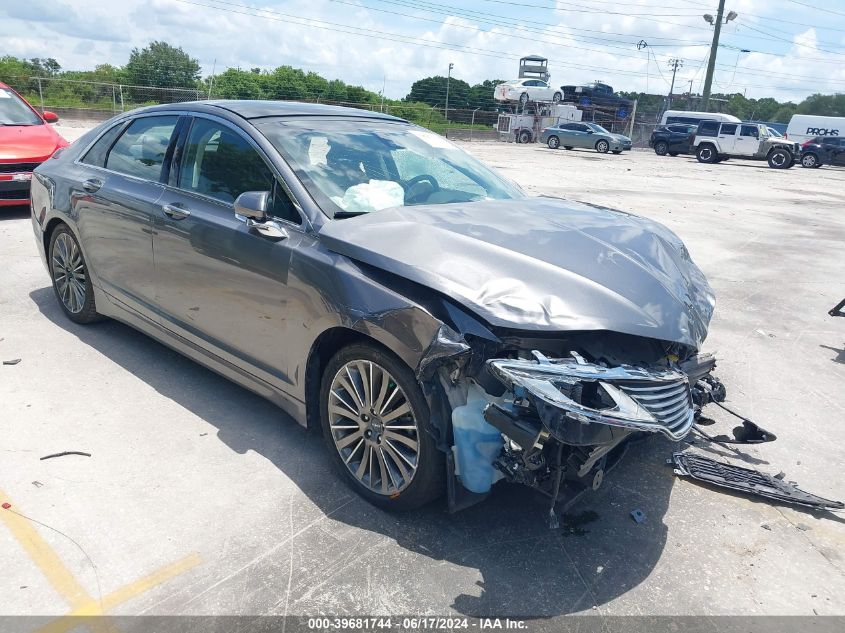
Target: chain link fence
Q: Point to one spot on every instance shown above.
(90, 101)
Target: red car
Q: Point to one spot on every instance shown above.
(25, 141)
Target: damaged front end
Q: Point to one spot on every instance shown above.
(558, 424)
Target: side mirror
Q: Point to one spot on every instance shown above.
(50, 117)
(252, 205)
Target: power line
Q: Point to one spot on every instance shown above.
(817, 8)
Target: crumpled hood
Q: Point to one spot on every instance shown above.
(540, 264)
(28, 143)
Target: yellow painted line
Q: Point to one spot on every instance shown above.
(54, 570)
(84, 608)
(86, 613)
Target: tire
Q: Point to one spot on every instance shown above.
(71, 280)
(524, 137)
(810, 160)
(405, 479)
(557, 97)
(553, 142)
(567, 147)
(706, 154)
(602, 146)
(779, 158)
(661, 148)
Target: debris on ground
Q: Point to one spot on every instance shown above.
(37, 484)
(13, 361)
(747, 480)
(63, 453)
(638, 516)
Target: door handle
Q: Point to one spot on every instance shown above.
(92, 185)
(175, 211)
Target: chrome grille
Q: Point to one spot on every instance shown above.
(670, 402)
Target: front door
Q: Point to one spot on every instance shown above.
(748, 141)
(220, 284)
(115, 205)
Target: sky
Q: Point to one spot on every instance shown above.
(787, 49)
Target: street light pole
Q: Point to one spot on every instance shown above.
(714, 47)
(448, 79)
(675, 64)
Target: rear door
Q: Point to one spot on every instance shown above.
(120, 182)
(220, 284)
(837, 151)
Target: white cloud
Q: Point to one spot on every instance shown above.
(581, 46)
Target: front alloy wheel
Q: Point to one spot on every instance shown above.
(809, 160)
(661, 148)
(553, 142)
(373, 417)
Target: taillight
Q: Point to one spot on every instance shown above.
(805, 143)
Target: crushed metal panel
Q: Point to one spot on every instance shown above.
(747, 480)
(540, 264)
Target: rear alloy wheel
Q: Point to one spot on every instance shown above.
(706, 154)
(810, 160)
(661, 148)
(71, 281)
(523, 99)
(557, 97)
(602, 146)
(374, 416)
(553, 142)
(780, 159)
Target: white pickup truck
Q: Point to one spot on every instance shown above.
(716, 141)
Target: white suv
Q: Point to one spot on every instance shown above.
(716, 141)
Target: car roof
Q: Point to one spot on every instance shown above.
(247, 109)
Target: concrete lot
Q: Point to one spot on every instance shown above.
(201, 498)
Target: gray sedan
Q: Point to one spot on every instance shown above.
(585, 135)
(439, 327)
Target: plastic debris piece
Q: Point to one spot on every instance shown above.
(13, 361)
(63, 453)
(6, 506)
(638, 516)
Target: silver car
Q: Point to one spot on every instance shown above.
(585, 135)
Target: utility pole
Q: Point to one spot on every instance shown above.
(448, 79)
(674, 63)
(714, 47)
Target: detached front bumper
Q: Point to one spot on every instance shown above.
(581, 403)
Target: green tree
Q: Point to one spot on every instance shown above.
(237, 84)
(823, 105)
(432, 90)
(162, 65)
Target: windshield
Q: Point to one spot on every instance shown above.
(597, 128)
(352, 166)
(773, 132)
(13, 111)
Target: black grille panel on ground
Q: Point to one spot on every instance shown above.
(669, 402)
(13, 168)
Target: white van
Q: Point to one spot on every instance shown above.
(803, 127)
(688, 116)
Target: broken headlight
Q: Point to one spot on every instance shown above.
(571, 390)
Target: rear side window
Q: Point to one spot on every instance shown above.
(749, 130)
(728, 128)
(141, 148)
(97, 154)
(708, 128)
